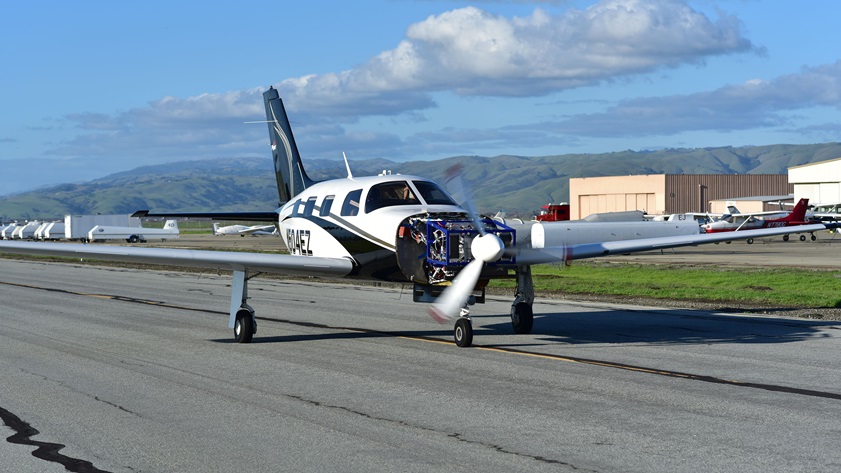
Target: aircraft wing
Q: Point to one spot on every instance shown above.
(526, 256)
(226, 260)
(258, 228)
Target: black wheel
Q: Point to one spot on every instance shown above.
(244, 327)
(750, 241)
(728, 242)
(133, 239)
(785, 237)
(802, 237)
(814, 238)
(463, 332)
(522, 317)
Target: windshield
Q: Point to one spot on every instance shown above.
(432, 194)
(388, 194)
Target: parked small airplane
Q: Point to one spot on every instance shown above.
(390, 228)
(826, 212)
(243, 230)
(740, 222)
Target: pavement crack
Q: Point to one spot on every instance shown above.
(71, 388)
(500, 449)
(453, 435)
(117, 406)
(46, 451)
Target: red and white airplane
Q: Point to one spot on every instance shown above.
(740, 222)
(396, 228)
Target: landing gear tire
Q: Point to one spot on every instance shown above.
(814, 238)
(244, 326)
(802, 237)
(133, 239)
(749, 241)
(785, 237)
(522, 318)
(463, 332)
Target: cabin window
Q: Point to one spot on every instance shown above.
(388, 194)
(350, 207)
(309, 206)
(432, 194)
(325, 206)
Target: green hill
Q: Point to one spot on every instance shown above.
(516, 184)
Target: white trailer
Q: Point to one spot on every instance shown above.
(26, 232)
(77, 227)
(54, 231)
(39, 233)
(6, 231)
(134, 234)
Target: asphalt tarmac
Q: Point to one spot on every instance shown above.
(129, 370)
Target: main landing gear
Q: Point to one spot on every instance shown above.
(522, 316)
(242, 318)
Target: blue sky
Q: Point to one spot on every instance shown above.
(96, 87)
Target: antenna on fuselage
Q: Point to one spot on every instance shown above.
(347, 165)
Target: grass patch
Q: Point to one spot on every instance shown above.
(783, 287)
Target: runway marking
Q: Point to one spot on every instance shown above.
(496, 349)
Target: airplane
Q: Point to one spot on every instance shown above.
(390, 227)
(740, 222)
(243, 230)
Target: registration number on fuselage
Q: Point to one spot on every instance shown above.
(298, 242)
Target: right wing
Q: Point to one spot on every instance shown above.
(226, 260)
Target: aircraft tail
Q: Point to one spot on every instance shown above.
(215, 228)
(171, 225)
(798, 213)
(289, 171)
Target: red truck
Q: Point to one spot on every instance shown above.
(554, 212)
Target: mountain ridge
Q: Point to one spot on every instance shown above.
(517, 184)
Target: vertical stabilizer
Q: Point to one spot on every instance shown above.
(798, 213)
(290, 174)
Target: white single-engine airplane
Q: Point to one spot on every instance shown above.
(389, 228)
(243, 230)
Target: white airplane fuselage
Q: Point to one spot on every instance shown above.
(343, 218)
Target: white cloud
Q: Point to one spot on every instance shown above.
(755, 103)
(473, 52)
(468, 51)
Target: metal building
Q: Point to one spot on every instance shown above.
(667, 193)
(819, 182)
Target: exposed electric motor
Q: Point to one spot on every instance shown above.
(433, 248)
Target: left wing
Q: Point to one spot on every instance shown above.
(527, 256)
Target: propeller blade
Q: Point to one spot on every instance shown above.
(449, 304)
(455, 184)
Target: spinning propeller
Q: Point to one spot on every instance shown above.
(485, 248)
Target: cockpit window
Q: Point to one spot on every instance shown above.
(432, 194)
(350, 207)
(388, 194)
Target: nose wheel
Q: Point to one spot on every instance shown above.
(463, 332)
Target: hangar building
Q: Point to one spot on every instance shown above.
(668, 193)
(819, 182)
